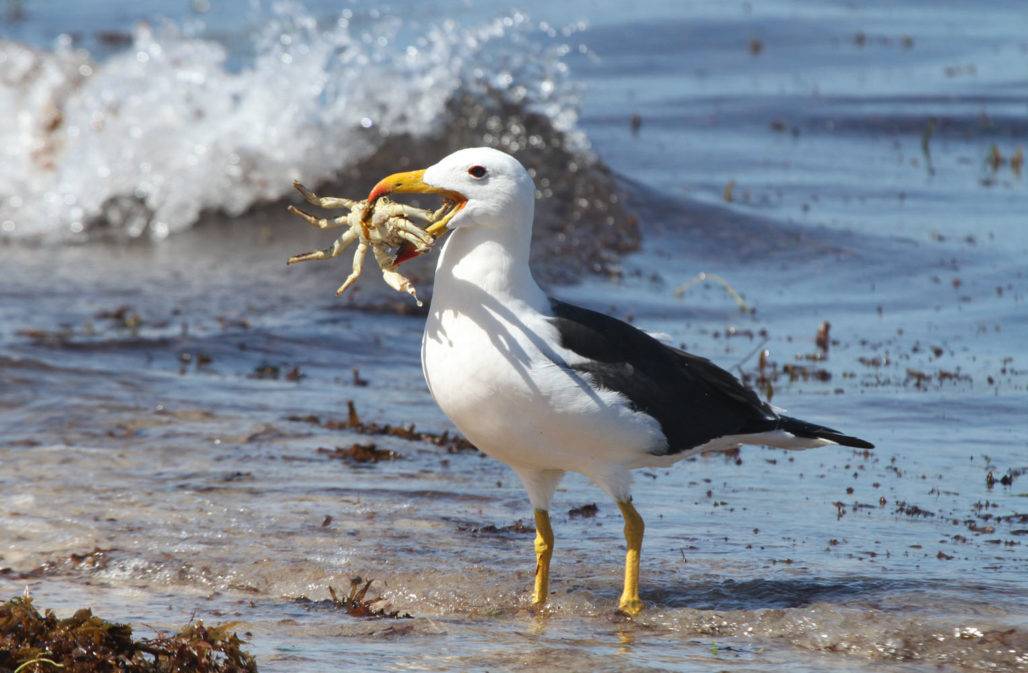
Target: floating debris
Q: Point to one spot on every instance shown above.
(926, 140)
(97, 559)
(805, 373)
(635, 123)
(356, 604)
(360, 453)
(113, 38)
(123, 317)
(519, 527)
(584, 512)
(84, 643)
(452, 443)
(1006, 479)
(995, 158)
(728, 193)
(265, 371)
(912, 510)
(703, 277)
(52, 338)
(228, 322)
(822, 339)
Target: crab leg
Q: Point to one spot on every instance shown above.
(321, 222)
(411, 233)
(358, 266)
(336, 249)
(393, 278)
(403, 210)
(323, 201)
(418, 243)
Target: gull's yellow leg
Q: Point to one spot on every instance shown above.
(634, 526)
(543, 554)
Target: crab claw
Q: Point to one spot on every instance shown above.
(405, 253)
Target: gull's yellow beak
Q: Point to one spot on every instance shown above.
(412, 182)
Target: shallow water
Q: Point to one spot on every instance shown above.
(155, 442)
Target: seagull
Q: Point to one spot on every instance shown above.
(548, 387)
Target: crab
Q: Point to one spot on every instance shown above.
(387, 229)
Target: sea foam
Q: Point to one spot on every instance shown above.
(141, 143)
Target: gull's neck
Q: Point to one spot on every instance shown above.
(493, 259)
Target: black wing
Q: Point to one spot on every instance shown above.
(693, 399)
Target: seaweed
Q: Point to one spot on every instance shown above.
(265, 371)
(518, 527)
(123, 317)
(584, 512)
(822, 339)
(1006, 479)
(909, 509)
(452, 443)
(31, 642)
(360, 453)
(97, 559)
(728, 193)
(796, 372)
(358, 380)
(52, 338)
(995, 158)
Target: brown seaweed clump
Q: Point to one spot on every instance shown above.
(84, 643)
(452, 443)
(360, 453)
(587, 511)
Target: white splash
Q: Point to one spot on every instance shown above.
(168, 131)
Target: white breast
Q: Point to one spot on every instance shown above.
(496, 369)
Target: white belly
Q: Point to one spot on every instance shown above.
(503, 381)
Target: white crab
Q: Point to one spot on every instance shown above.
(389, 229)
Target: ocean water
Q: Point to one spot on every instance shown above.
(840, 162)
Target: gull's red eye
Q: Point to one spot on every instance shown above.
(477, 171)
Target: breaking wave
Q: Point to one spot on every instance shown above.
(144, 142)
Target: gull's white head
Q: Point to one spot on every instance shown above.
(497, 187)
(492, 200)
(489, 188)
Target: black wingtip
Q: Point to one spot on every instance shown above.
(804, 429)
(846, 440)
